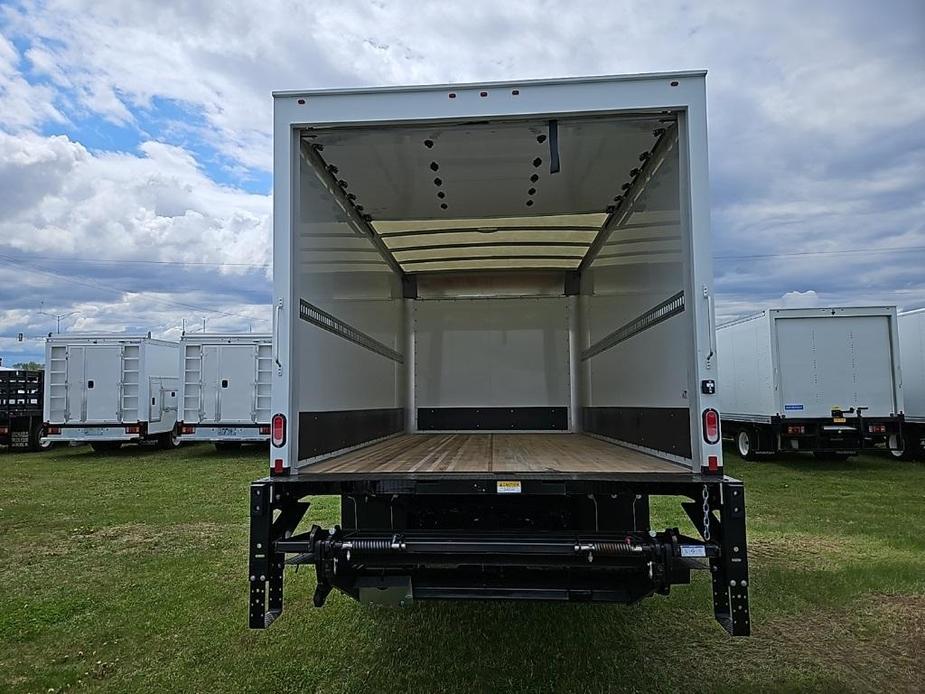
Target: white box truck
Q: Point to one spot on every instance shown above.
(225, 389)
(823, 380)
(912, 357)
(110, 389)
(494, 341)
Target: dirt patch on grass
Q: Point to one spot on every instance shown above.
(806, 552)
(906, 615)
(130, 538)
(876, 644)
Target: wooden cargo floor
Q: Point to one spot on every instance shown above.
(493, 453)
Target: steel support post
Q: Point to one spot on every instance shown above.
(730, 571)
(261, 514)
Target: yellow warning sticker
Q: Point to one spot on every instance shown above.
(508, 487)
(839, 420)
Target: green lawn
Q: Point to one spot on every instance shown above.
(128, 573)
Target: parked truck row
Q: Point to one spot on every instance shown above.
(781, 372)
(111, 389)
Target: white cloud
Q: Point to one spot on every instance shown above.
(22, 104)
(63, 200)
(807, 299)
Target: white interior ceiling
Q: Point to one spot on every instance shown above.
(484, 196)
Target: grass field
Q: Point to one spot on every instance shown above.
(127, 572)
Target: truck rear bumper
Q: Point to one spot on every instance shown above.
(545, 545)
(827, 436)
(90, 434)
(237, 433)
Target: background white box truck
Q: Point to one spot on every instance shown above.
(912, 357)
(825, 380)
(225, 389)
(494, 341)
(110, 389)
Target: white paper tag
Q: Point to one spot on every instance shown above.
(693, 551)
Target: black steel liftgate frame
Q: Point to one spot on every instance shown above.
(394, 535)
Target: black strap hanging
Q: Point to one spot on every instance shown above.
(553, 146)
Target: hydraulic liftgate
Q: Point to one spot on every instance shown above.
(401, 540)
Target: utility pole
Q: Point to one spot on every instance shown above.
(58, 317)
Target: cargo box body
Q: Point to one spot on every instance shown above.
(225, 388)
(493, 329)
(110, 388)
(825, 380)
(912, 357)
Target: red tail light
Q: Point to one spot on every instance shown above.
(877, 428)
(796, 429)
(52, 431)
(278, 430)
(4, 430)
(265, 430)
(188, 429)
(133, 429)
(711, 426)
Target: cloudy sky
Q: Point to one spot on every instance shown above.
(135, 139)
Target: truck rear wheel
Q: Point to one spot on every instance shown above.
(907, 451)
(168, 441)
(35, 439)
(106, 446)
(746, 442)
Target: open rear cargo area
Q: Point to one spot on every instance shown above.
(520, 272)
(494, 341)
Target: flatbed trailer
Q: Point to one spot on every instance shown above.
(493, 340)
(21, 393)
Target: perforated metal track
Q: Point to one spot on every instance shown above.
(654, 316)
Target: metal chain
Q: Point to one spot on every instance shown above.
(706, 513)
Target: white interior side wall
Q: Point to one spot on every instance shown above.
(492, 353)
(745, 381)
(639, 267)
(650, 368)
(341, 273)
